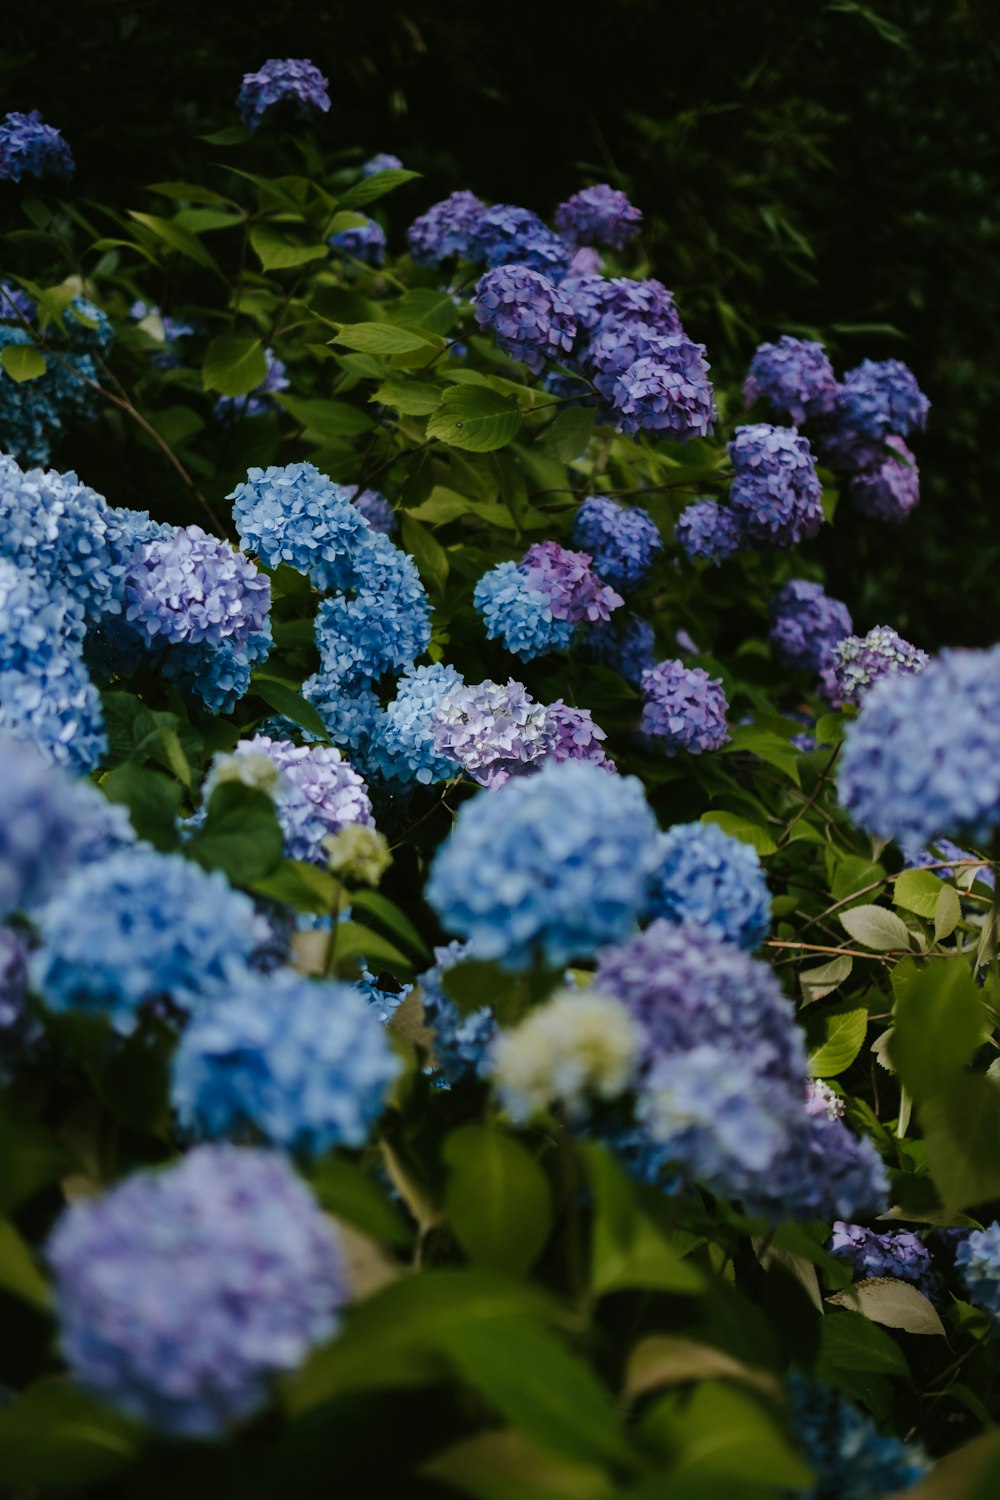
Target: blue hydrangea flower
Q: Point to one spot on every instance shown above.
(709, 531)
(193, 588)
(40, 826)
(32, 412)
(290, 80)
(824, 1172)
(624, 544)
(382, 1003)
(519, 615)
(923, 756)
(573, 735)
(852, 1459)
(711, 880)
(404, 748)
(462, 1043)
(376, 510)
(858, 661)
(490, 730)
(530, 317)
(365, 242)
(898, 1253)
(87, 326)
(506, 233)
(385, 625)
(614, 347)
(806, 625)
(668, 391)
(218, 675)
(446, 230)
(182, 1294)
(978, 1261)
(382, 161)
(684, 708)
(318, 792)
(776, 492)
(548, 867)
(615, 303)
(598, 215)
(258, 401)
(295, 515)
(794, 376)
(890, 488)
(30, 148)
(141, 929)
(352, 715)
(945, 849)
(879, 397)
(21, 1033)
(299, 1064)
(627, 648)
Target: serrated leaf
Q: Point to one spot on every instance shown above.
(875, 927)
(279, 251)
(234, 367)
(741, 828)
(474, 418)
(570, 432)
(497, 1199)
(821, 981)
(414, 398)
(385, 338)
(374, 187)
(844, 1034)
(917, 891)
(23, 362)
(895, 1304)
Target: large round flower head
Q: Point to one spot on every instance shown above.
(39, 820)
(890, 488)
(257, 401)
(923, 756)
(709, 531)
(317, 793)
(491, 730)
(506, 234)
(462, 1044)
(141, 928)
(684, 708)
(613, 304)
(519, 615)
(898, 1253)
(382, 161)
(879, 397)
(574, 591)
(30, 148)
(794, 376)
(598, 215)
(182, 1294)
(446, 230)
(776, 492)
(668, 391)
(295, 515)
(530, 317)
(365, 242)
(711, 880)
(404, 747)
(624, 544)
(573, 735)
(978, 1260)
(806, 625)
(352, 715)
(627, 648)
(376, 509)
(851, 1458)
(579, 1045)
(218, 675)
(387, 622)
(290, 80)
(299, 1064)
(858, 661)
(549, 867)
(614, 346)
(193, 588)
(824, 1172)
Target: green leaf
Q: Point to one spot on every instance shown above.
(348, 1193)
(354, 941)
(55, 1437)
(961, 1128)
(850, 1341)
(947, 913)
(188, 192)
(767, 746)
(174, 237)
(385, 338)
(723, 1433)
(234, 367)
(241, 835)
(875, 927)
(279, 251)
(844, 1031)
(939, 1022)
(424, 307)
(376, 186)
(497, 1199)
(304, 886)
(230, 135)
(23, 362)
(285, 699)
(474, 418)
(19, 1272)
(854, 875)
(498, 1465)
(430, 557)
(627, 1249)
(414, 398)
(568, 435)
(327, 419)
(153, 802)
(741, 828)
(477, 982)
(389, 915)
(821, 981)
(29, 1159)
(917, 891)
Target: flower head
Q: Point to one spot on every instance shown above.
(531, 318)
(30, 148)
(192, 587)
(775, 493)
(684, 708)
(666, 391)
(491, 730)
(382, 161)
(627, 647)
(709, 531)
(317, 794)
(708, 879)
(598, 215)
(446, 230)
(505, 234)
(290, 80)
(806, 625)
(519, 615)
(295, 515)
(898, 1253)
(978, 1261)
(879, 397)
(576, 1046)
(623, 543)
(365, 242)
(794, 376)
(858, 661)
(890, 487)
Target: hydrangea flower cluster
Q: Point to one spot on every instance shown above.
(708, 879)
(709, 531)
(385, 623)
(923, 756)
(626, 644)
(621, 302)
(42, 822)
(376, 510)
(382, 161)
(290, 80)
(683, 708)
(301, 1065)
(898, 1253)
(182, 1294)
(890, 488)
(258, 401)
(852, 1459)
(462, 1043)
(351, 714)
(577, 1046)
(365, 242)
(534, 606)
(573, 735)
(881, 397)
(446, 231)
(32, 412)
(858, 661)
(20, 1032)
(978, 1261)
(492, 730)
(795, 377)
(623, 544)
(775, 493)
(296, 516)
(944, 849)
(598, 215)
(506, 234)
(548, 867)
(667, 391)
(527, 312)
(404, 747)
(30, 148)
(191, 588)
(317, 794)
(806, 625)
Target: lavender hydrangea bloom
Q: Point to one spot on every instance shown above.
(858, 661)
(806, 625)
(491, 730)
(575, 593)
(387, 623)
(530, 317)
(606, 305)
(945, 849)
(182, 1294)
(709, 531)
(446, 230)
(289, 80)
(890, 488)
(405, 748)
(295, 515)
(668, 391)
(506, 233)
(923, 756)
(376, 510)
(16, 306)
(30, 148)
(852, 1459)
(598, 215)
(352, 715)
(898, 1253)
(39, 822)
(299, 1064)
(623, 544)
(548, 867)
(978, 1260)
(824, 1172)
(462, 1043)
(138, 929)
(627, 648)
(711, 880)
(258, 401)
(382, 161)
(684, 708)
(193, 587)
(794, 376)
(879, 397)
(366, 242)
(614, 347)
(775, 493)
(573, 735)
(317, 794)
(520, 616)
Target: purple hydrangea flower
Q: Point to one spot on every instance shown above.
(491, 730)
(574, 591)
(890, 488)
(668, 391)
(317, 794)
(376, 510)
(573, 735)
(944, 849)
(823, 1172)
(775, 493)
(530, 317)
(620, 301)
(879, 397)
(382, 161)
(684, 708)
(806, 625)
(520, 616)
(30, 148)
(614, 347)
(709, 531)
(290, 80)
(446, 230)
(858, 661)
(794, 376)
(628, 648)
(708, 879)
(507, 234)
(598, 215)
(403, 745)
(182, 1294)
(366, 242)
(586, 262)
(15, 306)
(898, 1253)
(624, 544)
(192, 587)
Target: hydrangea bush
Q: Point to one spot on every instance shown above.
(485, 955)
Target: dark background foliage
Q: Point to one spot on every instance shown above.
(826, 169)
